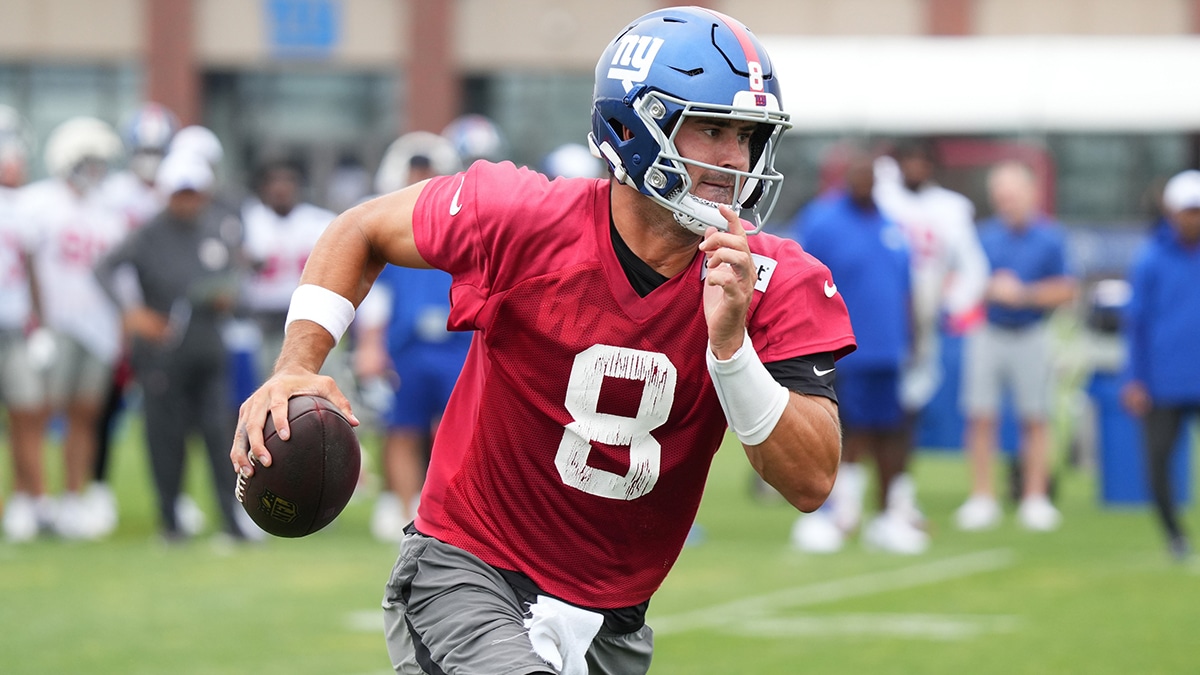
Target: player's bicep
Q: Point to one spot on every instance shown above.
(354, 248)
(386, 224)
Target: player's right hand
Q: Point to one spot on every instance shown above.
(272, 399)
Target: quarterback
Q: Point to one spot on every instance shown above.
(620, 326)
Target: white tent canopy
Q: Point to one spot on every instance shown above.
(979, 85)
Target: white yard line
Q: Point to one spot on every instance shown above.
(757, 607)
(941, 627)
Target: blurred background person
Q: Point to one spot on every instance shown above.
(187, 265)
(571, 160)
(22, 389)
(1162, 323)
(146, 135)
(476, 137)
(1010, 353)
(280, 232)
(949, 274)
(868, 258)
(403, 345)
(73, 224)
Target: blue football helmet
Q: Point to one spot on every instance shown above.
(687, 62)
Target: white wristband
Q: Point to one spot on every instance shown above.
(751, 398)
(321, 306)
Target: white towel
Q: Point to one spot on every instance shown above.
(561, 633)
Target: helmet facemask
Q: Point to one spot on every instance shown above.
(668, 183)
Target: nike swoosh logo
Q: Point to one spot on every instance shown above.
(822, 373)
(830, 289)
(455, 205)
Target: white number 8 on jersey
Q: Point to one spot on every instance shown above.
(591, 366)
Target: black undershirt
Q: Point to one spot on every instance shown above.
(799, 374)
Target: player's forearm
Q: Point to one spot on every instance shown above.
(1051, 293)
(304, 348)
(800, 457)
(343, 259)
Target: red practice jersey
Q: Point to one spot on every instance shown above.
(576, 445)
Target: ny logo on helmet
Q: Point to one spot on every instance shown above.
(633, 58)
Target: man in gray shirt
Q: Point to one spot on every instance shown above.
(188, 266)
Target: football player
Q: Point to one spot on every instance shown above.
(22, 393)
(73, 224)
(621, 326)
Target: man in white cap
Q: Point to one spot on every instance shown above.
(188, 266)
(1161, 324)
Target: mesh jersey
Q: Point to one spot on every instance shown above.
(576, 444)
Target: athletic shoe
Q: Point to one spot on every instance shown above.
(892, 533)
(1038, 514)
(387, 521)
(75, 519)
(817, 533)
(103, 507)
(20, 518)
(980, 512)
(188, 516)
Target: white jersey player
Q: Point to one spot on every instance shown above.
(950, 270)
(949, 275)
(280, 232)
(73, 224)
(22, 394)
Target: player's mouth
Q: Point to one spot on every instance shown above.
(718, 190)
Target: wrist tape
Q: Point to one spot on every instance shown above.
(751, 398)
(323, 307)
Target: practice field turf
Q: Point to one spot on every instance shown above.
(1099, 596)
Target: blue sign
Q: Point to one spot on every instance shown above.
(306, 28)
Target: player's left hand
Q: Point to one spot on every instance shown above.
(729, 286)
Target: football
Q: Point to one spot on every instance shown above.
(312, 475)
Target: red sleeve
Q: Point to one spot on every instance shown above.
(798, 311)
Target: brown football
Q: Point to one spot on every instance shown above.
(312, 475)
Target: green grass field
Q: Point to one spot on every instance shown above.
(1099, 596)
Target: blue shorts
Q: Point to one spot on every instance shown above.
(869, 399)
(427, 375)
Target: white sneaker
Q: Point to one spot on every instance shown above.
(188, 516)
(902, 500)
(1038, 514)
(892, 533)
(980, 512)
(75, 519)
(20, 518)
(846, 498)
(102, 506)
(387, 521)
(817, 533)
